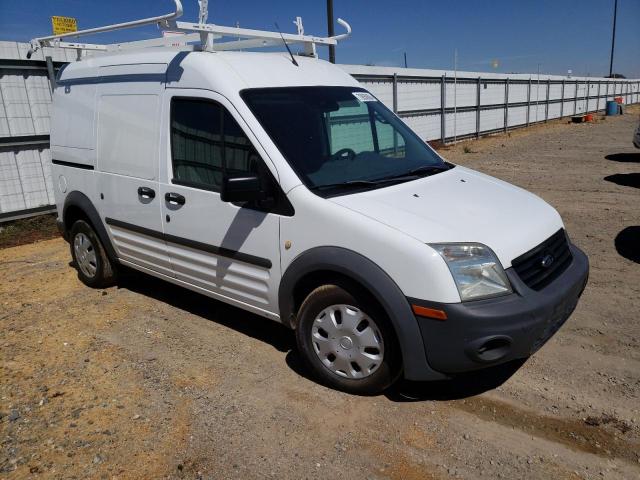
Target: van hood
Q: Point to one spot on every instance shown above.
(461, 205)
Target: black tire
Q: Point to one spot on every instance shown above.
(105, 271)
(325, 296)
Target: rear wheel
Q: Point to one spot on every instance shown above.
(346, 340)
(89, 257)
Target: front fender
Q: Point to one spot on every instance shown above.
(370, 276)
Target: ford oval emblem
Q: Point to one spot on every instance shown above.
(547, 260)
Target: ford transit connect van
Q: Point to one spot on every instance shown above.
(291, 192)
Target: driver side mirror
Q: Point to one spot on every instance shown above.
(241, 189)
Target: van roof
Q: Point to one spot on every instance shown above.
(225, 72)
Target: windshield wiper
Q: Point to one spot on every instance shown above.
(349, 184)
(428, 169)
(424, 170)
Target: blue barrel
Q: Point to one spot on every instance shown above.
(612, 108)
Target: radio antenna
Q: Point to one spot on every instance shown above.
(293, 60)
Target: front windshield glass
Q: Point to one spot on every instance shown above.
(337, 138)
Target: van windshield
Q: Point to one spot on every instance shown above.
(341, 139)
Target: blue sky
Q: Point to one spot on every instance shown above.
(557, 34)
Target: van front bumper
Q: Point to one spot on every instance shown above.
(483, 333)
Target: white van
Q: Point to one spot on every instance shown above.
(288, 190)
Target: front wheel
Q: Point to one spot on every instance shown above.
(346, 341)
(89, 257)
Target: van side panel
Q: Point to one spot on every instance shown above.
(128, 116)
(128, 135)
(74, 110)
(73, 153)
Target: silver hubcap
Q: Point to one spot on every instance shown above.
(85, 254)
(347, 341)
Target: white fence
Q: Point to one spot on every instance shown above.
(445, 105)
(437, 104)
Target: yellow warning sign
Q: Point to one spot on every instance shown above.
(64, 25)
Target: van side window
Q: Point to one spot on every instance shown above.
(239, 155)
(196, 143)
(206, 140)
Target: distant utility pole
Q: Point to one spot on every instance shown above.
(405, 59)
(613, 37)
(455, 94)
(330, 30)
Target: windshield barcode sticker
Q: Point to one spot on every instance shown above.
(364, 96)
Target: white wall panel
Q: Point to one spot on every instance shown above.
(383, 90)
(555, 91)
(554, 110)
(491, 119)
(4, 122)
(491, 93)
(463, 123)
(45, 161)
(9, 50)
(418, 95)
(16, 102)
(536, 112)
(538, 92)
(518, 92)
(11, 198)
(568, 108)
(32, 178)
(517, 116)
(463, 93)
(39, 96)
(426, 126)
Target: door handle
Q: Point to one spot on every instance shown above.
(146, 192)
(174, 198)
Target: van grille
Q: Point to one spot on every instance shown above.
(543, 264)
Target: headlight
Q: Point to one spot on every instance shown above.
(475, 269)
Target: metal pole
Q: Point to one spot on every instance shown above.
(330, 30)
(506, 104)
(443, 104)
(613, 37)
(478, 108)
(626, 92)
(529, 102)
(51, 72)
(455, 94)
(395, 93)
(575, 99)
(598, 101)
(587, 94)
(537, 93)
(546, 107)
(562, 100)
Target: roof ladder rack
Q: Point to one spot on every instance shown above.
(203, 36)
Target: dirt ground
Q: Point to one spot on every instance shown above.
(142, 381)
(29, 230)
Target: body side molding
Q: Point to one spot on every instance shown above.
(223, 252)
(83, 166)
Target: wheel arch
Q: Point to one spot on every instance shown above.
(322, 265)
(77, 206)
